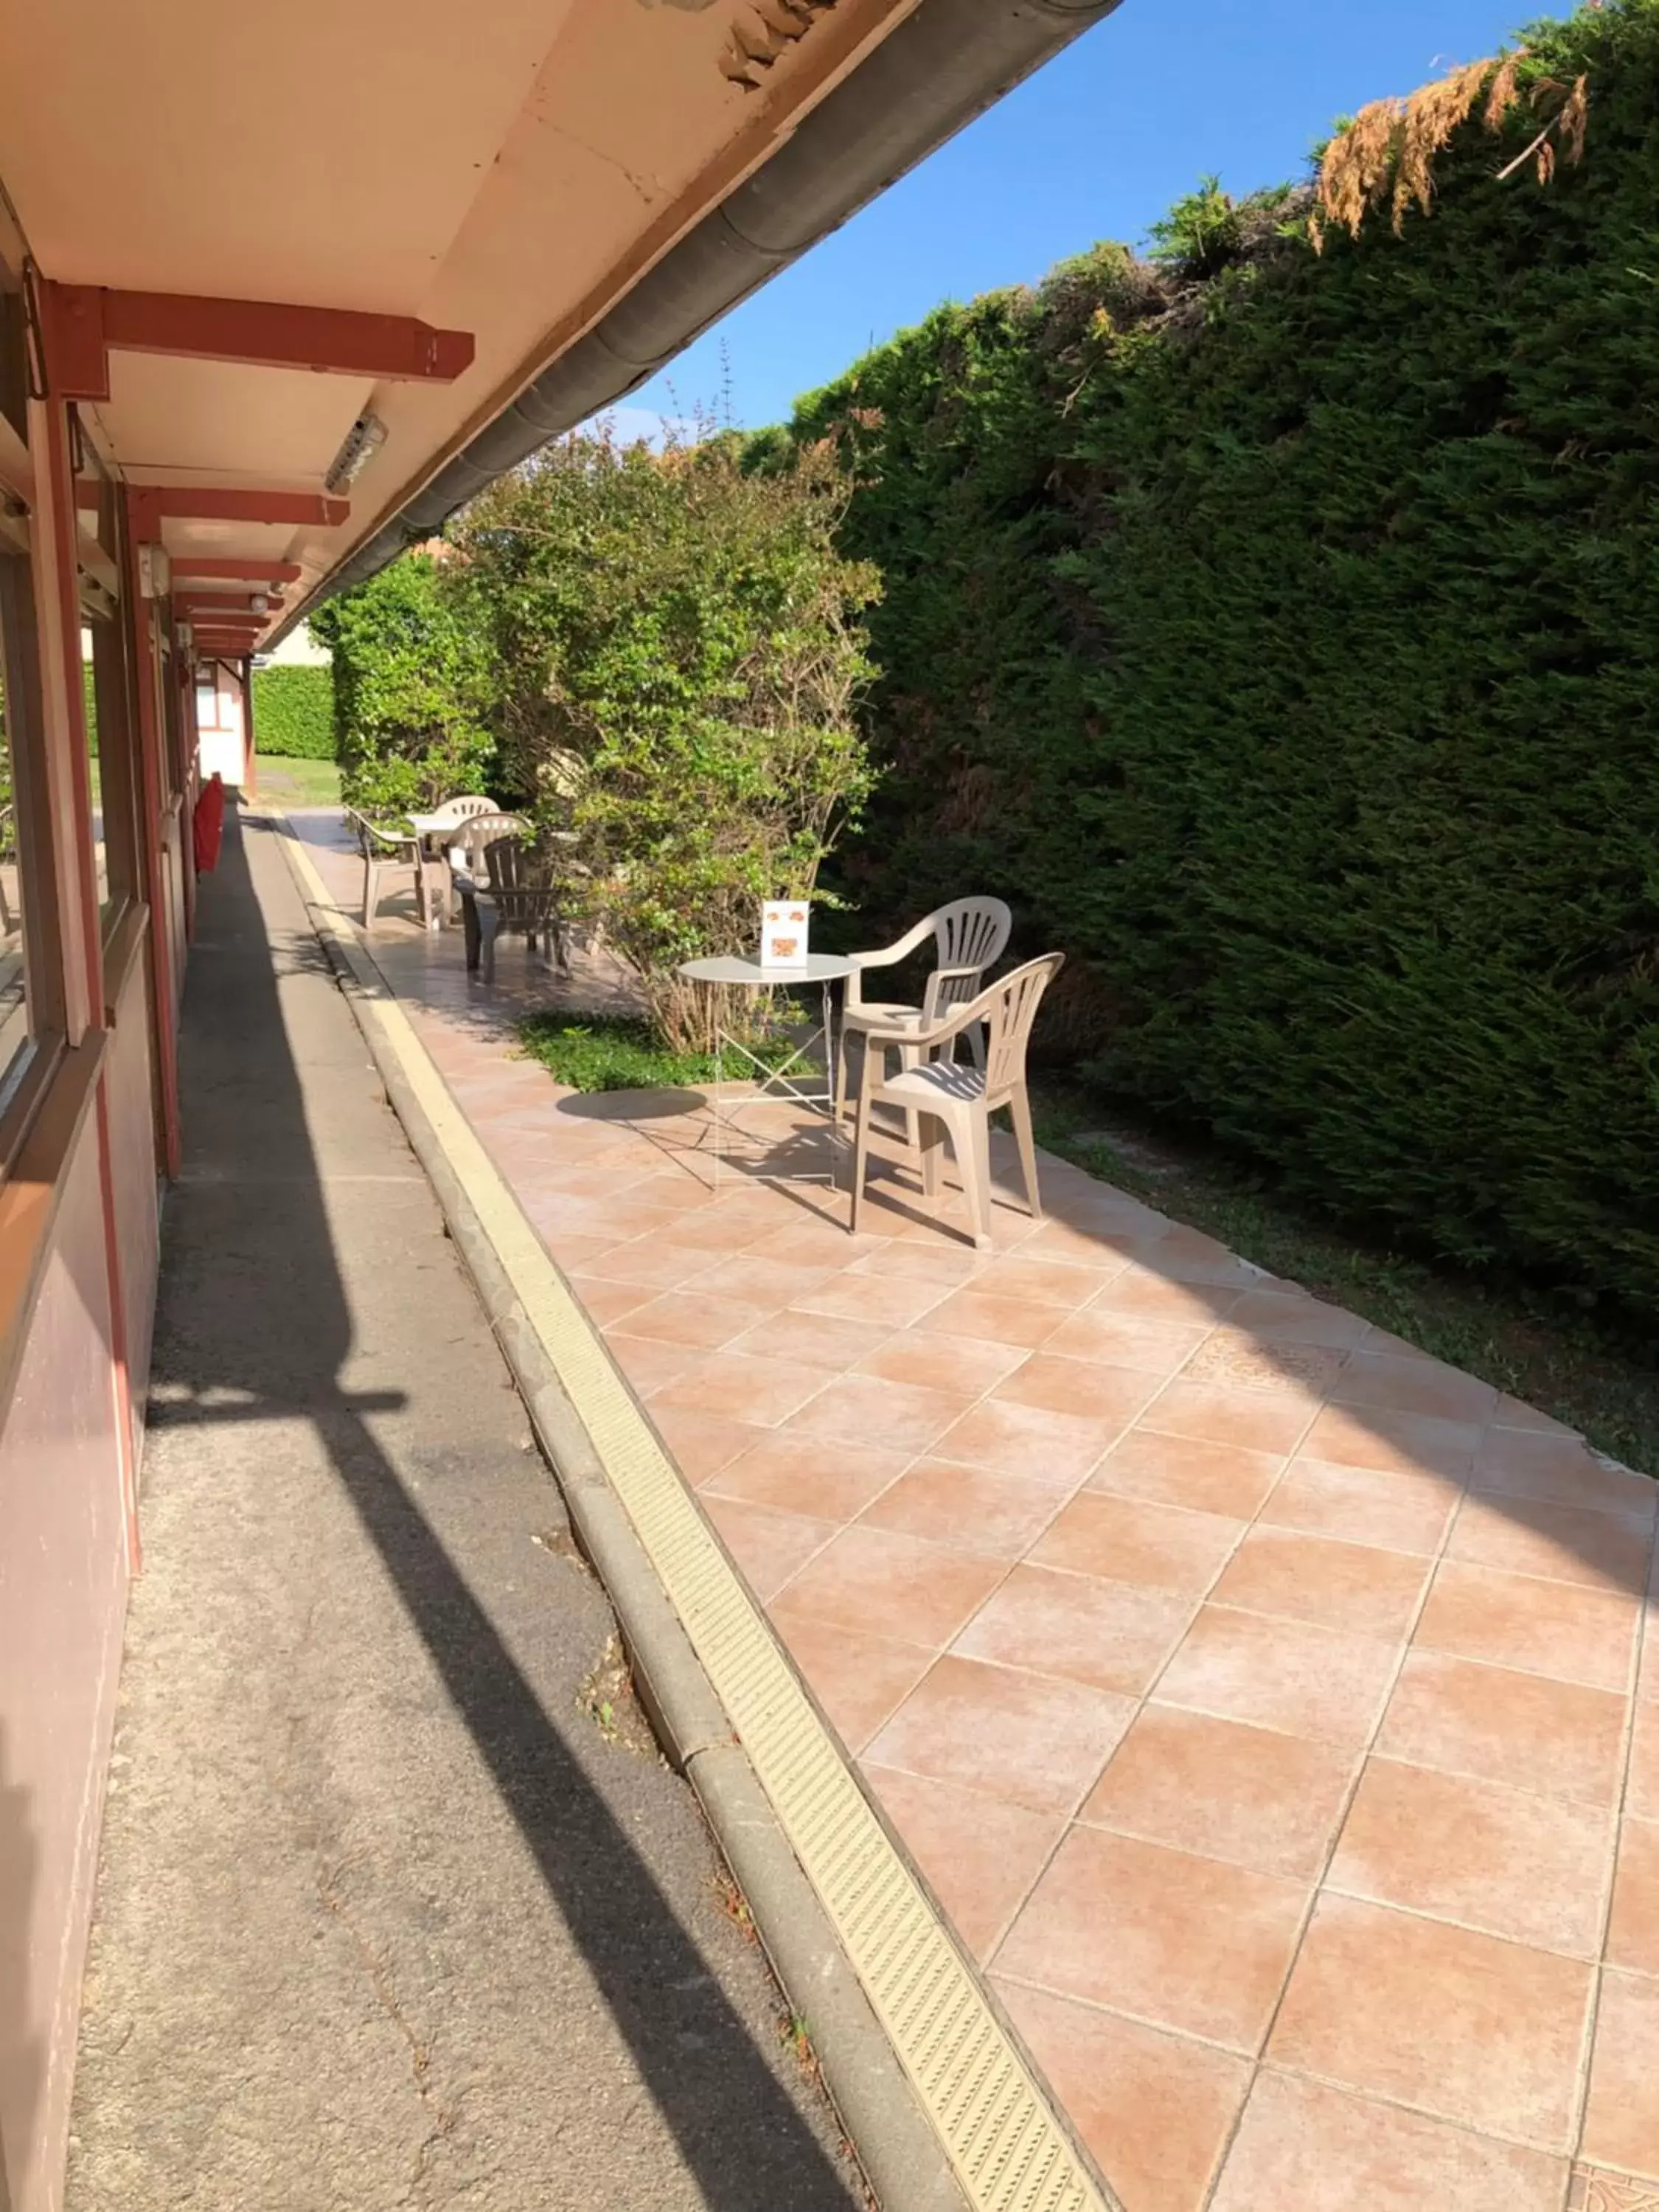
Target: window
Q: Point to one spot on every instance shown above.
(111, 741)
(13, 982)
(31, 1004)
(31, 974)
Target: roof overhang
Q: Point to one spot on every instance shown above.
(313, 284)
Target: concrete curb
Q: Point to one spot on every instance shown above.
(900, 2151)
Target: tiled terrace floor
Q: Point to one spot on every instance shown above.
(1265, 1703)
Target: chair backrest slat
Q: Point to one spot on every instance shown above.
(971, 934)
(482, 830)
(508, 862)
(1011, 1007)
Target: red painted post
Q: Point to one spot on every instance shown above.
(146, 680)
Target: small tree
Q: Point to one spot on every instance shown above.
(679, 652)
(409, 690)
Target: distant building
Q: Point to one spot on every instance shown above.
(299, 649)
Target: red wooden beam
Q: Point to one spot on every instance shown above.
(244, 568)
(150, 503)
(83, 323)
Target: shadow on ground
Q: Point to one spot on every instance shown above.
(383, 1918)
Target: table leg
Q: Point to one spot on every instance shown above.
(829, 1035)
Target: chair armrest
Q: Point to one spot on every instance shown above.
(374, 833)
(936, 982)
(889, 953)
(887, 957)
(941, 1031)
(892, 1033)
(929, 1036)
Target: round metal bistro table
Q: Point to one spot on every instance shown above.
(787, 1082)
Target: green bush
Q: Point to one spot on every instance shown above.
(679, 649)
(410, 691)
(294, 711)
(1280, 632)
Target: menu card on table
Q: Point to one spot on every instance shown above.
(783, 933)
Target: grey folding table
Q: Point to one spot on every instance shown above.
(787, 1082)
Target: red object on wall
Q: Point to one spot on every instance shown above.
(209, 822)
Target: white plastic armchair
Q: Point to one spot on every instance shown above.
(438, 844)
(952, 1100)
(970, 935)
(386, 846)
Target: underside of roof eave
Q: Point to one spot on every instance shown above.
(944, 65)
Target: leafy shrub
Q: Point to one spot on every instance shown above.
(294, 711)
(677, 650)
(410, 691)
(1277, 631)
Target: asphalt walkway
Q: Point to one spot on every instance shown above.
(397, 1907)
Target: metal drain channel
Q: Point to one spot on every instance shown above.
(1009, 2152)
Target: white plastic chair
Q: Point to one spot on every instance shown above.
(970, 936)
(384, 847)
(952, 1100)
(436, 847)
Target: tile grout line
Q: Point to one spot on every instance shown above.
(1603, 1965)
(1290, 2073)
(1069, 1819)
(1338, 1825)
(1147, 1696)
(931, 1451)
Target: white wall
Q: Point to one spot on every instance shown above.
(299, 649)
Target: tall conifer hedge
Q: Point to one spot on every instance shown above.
(1279, 631)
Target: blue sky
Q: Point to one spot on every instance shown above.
(1096, 145)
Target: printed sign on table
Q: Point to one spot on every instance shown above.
(783, 933)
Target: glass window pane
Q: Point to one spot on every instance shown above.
(95, 766)
(13, 1001)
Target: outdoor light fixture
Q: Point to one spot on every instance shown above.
(362, 441)
(155, 572)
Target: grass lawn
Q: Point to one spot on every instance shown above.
(1595, 1371)
(297, 782)
(613, 1052)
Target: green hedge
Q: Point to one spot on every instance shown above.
(1281, 633)
(411, 680)
(294, 711)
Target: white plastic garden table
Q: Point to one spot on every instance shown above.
(740, 973)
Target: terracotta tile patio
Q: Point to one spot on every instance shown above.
(1264, 1703)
